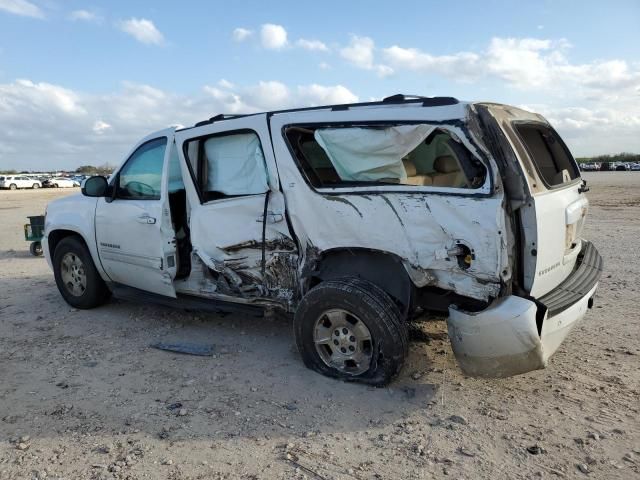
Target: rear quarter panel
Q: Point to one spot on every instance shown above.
(417, 224)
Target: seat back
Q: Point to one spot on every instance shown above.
(448, 173)
(412, 174)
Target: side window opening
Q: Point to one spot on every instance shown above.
(141, 177)
(228, 165)
(411, 155)
(550, 156)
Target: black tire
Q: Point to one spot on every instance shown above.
(96, 292)
(13, 186)
(36, 249)
(372, 306)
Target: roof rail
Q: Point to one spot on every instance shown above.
(216, 118)
(426, 101)
(392, 100)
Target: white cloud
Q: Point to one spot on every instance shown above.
(99, 127)
(273, 37)
(21, 7)
(360, 52)
(324, 66)
(460, 65)
(274, 95)
(526, 64)
(84, 15)
(48, 126)
(313, 45)
(142, 30)
(222, 83)
(241, 34)
(322, 95)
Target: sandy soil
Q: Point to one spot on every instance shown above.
(83, 396)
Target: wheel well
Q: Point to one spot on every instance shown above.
(57, 235)
(383, 269)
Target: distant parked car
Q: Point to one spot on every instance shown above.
(634, 166)
(14, 182)
(621, 167)
(589, 167)
(60, 182)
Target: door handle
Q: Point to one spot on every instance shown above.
(272, 217)
(146, 219)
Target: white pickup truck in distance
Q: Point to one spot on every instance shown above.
(355, 218)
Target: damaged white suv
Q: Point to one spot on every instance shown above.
(353, 217)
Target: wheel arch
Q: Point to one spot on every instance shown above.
(384, 269)
(56, 236)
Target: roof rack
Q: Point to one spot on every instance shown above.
(216, 118)
(396, 99)
(426, 101)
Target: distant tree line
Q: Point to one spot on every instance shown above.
(620, 157)
(105, 169)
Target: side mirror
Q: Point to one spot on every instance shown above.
(95, 187)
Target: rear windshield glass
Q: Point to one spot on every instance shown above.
(549, 154)
(412, 155)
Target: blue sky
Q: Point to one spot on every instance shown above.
(87, 79)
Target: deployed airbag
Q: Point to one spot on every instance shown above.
(371, 154)
(236, 165)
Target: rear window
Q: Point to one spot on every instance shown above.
(412, 155)
(549, 154)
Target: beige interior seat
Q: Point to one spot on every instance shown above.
(448, 173)
(412, 174)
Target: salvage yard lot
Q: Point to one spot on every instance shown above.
(82, 395)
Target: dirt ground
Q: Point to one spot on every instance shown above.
(83, 396)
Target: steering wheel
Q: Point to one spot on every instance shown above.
(139, 189)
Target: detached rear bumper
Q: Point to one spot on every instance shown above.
(516, 335)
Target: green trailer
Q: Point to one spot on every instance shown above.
(33, 232)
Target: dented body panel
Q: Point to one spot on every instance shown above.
(417, 225)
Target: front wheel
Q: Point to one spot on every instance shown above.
(13, 186)
(35, 185)
(351, 329)
(76, 276)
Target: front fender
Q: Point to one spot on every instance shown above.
(76, 214)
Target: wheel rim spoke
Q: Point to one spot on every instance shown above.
(343, 341)
(73, 274)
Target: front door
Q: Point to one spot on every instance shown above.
(237, 219)
(134, 234)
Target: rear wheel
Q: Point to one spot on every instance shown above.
(36, 249)
(76, 276)
(13, 186)
(351, 329)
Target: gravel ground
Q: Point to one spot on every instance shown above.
(83, 396)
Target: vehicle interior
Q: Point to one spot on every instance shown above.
(438, 161)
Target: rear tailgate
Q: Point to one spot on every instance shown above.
(553, 218)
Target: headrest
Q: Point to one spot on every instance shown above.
(410, 168)
(446, 164)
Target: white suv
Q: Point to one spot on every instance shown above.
(354, 218)
(14, 182)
